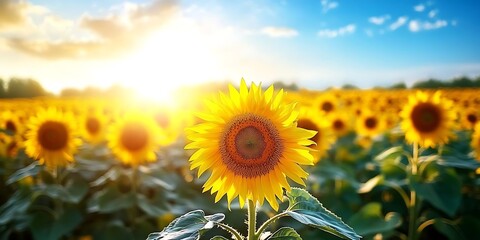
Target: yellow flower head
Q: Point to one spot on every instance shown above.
(428, 119)
(134, 139)
(369, 124)
(94, 127)
(475, 142)
(51, 138)
(312, 119)
(251, 144)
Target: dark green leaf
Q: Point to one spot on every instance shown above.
(369, 220)
(111, 200)
(441, 187)
(458, 162)
(17, 204)
(306, 209)
(188, 226)
(76, 188)
(44, 226)
(30, 170)
(452, 232)
(285, 233)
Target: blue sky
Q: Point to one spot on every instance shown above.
(316, 44)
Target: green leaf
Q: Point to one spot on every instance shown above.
(30, 170)
(370, 184)
(441, 187)
(285, 233)
(54, 191)
(17, 204)
(458, 162)
(111, 200)
(188, 226)
(451, 232)
(44, 226)
(306, 209)
(369, 220)
(393, 152)
(77, 188)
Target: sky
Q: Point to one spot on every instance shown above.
(155, 46)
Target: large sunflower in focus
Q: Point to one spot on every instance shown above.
(311, 119)
(51, 138)
(134, 139)
(428, 119)
(251, 144)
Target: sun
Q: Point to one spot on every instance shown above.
(178, 54)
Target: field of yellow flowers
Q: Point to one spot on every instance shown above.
(392, 164)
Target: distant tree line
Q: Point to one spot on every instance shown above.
(26, 88)
(21, 88)
(460, 82)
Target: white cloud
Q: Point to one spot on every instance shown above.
(419, 8)
(279, 32)
(417, 25)
(400, 22)
(379, 20)
(433, 13)
(332, 33)
(328, 5)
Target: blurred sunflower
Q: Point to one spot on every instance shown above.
(134, 138)
(51, 138)
(369, 124)
(340, 123)
(169, 122)
(251, 144)
(10, 122)
(94, 127)
(326, 103)
(310, 119)
(428, 119)
(469, 118)
(475, 142)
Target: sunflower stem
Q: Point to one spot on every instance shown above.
(252, 221)
(269, 221)
(231, 230)
(134, 190)
(412, 208)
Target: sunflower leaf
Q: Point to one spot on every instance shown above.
(188, 226)
(30, 170)
(306, 209)
(392, 152)
(285, 233)
(370, 220)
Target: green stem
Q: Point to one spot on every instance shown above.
(252, 221)
(134, 190)
(412, 228)
(231, 230)
(268, 222)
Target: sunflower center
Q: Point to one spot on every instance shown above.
(327, 106)
(250, 145)
(134, 137)
(472, 118)
(93, 125)
(338, 125)
(426, 117)
(371, 122)
(308, 124)
(52, 135)
(11, 126)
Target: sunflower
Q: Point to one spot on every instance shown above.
(428, 119)
(134, 138)
(169, 122)
(93, 126)
(326, 103)
(369, 124)
(11, 123)
(469, 117)
(51, 138)
(251, 144)
(340, 123)
(475, 143)
(311, 119)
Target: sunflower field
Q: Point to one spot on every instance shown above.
(334, 164)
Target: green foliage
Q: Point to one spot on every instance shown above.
(188, 226)
(285, 233)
